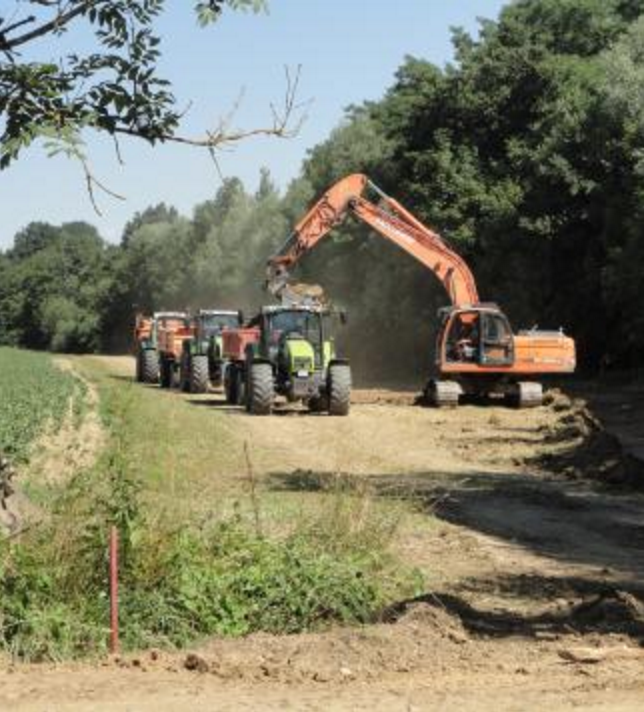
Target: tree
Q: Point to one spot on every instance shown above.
(54, 281)
(114, 87)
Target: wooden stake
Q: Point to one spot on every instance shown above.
(114, 591)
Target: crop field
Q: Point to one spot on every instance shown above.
(34, 395)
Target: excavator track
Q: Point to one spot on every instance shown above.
(443, 394)
(526, 394)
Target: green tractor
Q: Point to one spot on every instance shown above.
(202, 362)
(287, 351)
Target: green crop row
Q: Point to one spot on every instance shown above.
(34, 395)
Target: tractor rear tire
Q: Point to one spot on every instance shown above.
(149, 364)
(261, 392)
(230, 384)
(199, 375)
(339, 389)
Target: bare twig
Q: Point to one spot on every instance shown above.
(92, 182)
(286, 122)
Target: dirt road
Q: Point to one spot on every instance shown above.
(535, 580)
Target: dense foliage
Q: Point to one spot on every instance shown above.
(526, 154)
(35, 395)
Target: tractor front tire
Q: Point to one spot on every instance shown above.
(167, 373)
(339, 389)
(261, 391)
(139, 369)
(199, 375)
(318, 404)
(184, 372)
(149, 364)
(240, 386)
(230, 384)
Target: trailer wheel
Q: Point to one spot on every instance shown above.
(339, 389)
(261, 389)
(149, 366)
(199, 376)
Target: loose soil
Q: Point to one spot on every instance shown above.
(535, 572)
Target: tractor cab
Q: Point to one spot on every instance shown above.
(210, 322)
(202, 362)
(169, 321)
(293, 338)
(479, 336)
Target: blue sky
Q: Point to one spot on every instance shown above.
(349, 51)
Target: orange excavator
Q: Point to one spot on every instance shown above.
(477, 354)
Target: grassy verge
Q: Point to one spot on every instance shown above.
(203, 551)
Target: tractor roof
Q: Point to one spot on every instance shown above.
(169, 315)
(278, 308)
(217, 312)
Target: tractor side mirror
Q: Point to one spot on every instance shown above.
(344, 318)
(240, 316)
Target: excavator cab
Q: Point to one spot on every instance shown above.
(479, 336)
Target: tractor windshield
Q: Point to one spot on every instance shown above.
(173, 322)
(303, 323)
(214, 323)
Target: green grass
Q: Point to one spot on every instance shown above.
(35, 395)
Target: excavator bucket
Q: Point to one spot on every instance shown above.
(296, 293)
(304, 295)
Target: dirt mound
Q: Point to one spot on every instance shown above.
(588, 449)
(424, 636)
(421, 634)
(614, 612)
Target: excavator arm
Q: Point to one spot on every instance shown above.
(389, 219)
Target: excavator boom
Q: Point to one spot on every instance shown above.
(388, 218)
